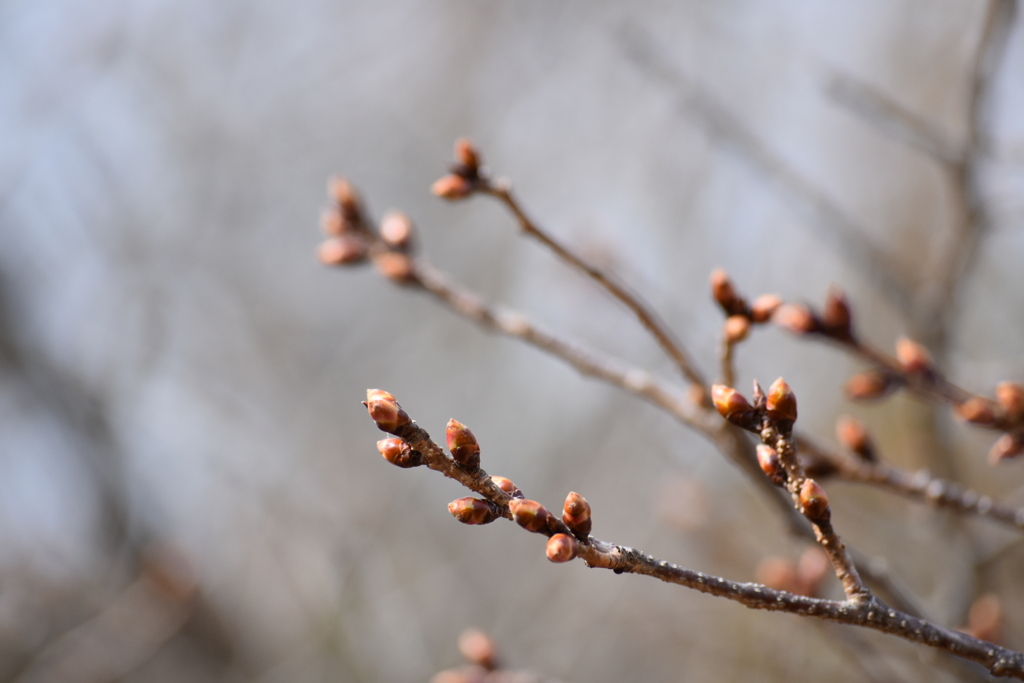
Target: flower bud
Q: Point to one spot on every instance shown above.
(737, 327)
(473, 511)
(345, 195)
(764, 307)
(396, 267)
(1010, 396)
(385, 411)
(463, 445)
(478, 648)
(814, 501)
(913, 358)
(396, 230)
(452, 187)
(984, 619)
(796, 318)
(778, 573)
(978, 411)
(811, 570)
(780, 405)
(562, 548)
(869, 385)
(835, 316)
(770, 464)
(399, 452)
(332, 222)
(467, 156)
(733, 406)
(529, 514)
(1007, 446)
(342, 250)
(507, 486)
(576, 514)
(723, 292)
(851, 433)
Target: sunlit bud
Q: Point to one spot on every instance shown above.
(764, 307)
(473, 511)
(768, 459)
(478, 648)
(332, 222)
(732, 406)
(737, 327)
(851, 433)
(1010, 396)
(452, 186)
(562, 548)
(723, 292)
(813, 501)
(835, 316)
(466, 154)
(977, 410)
(399, 452)
(984, 620)
(345, 195)
(780, 404)
(796, 318)
(529, 514)
(385, 411)
(576, 514)
(868, 385)
(341, 251)
(463, 445)
(507, 486)
(396, 230)
(396, 266)
(1007, 446)
(913, 357)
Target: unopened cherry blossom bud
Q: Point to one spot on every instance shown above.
(385, 411)
(345, 195)
(736, 328)
(396, 230)
(562, 548)
(463, 445)
(731, 404)
(978, 411)
(814, 501)
(780, 404)
(452, 187)
(576, 514)
(768, 459)
(467, 155)
(724, 293)
(507, 486)
(473, 511)
(869, 385)
(796, 318)
(399, 452)
(529, 514)
(851, 433)
(342, 250)
(396, 267)
(1006, 447)
(478, 648)
(1010, 396)
(913, 357)
(836, 319)
(764, 307)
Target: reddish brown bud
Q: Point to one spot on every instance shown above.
(836, 318)
(332, 222)
(562, 548)
(764, 307)
(345, 195)
(1007, 446)
(977, 410)
(736, 328)
(507, 486)
(770, 464)
(399, 452)
(452, 187)
(733, 406)
(781, 405)
(466, 154)
(724, 293)
(576, 514)
(851, 433)
(529, 514)
(813, 501)
(984, 620)
(869, 385)
(473, 511)
(1010, 396)
(796, 318)
(396, 266)
(478, 648)
(396, 230)
(341, 251)
(463, 445)
(385, 411)
(913, 357)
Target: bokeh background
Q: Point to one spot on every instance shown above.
(189, 488)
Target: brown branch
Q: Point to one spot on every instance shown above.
(868, 613)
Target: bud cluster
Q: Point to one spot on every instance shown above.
(740, 314)
(345, 226)
(835, 320)
(465, 176)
